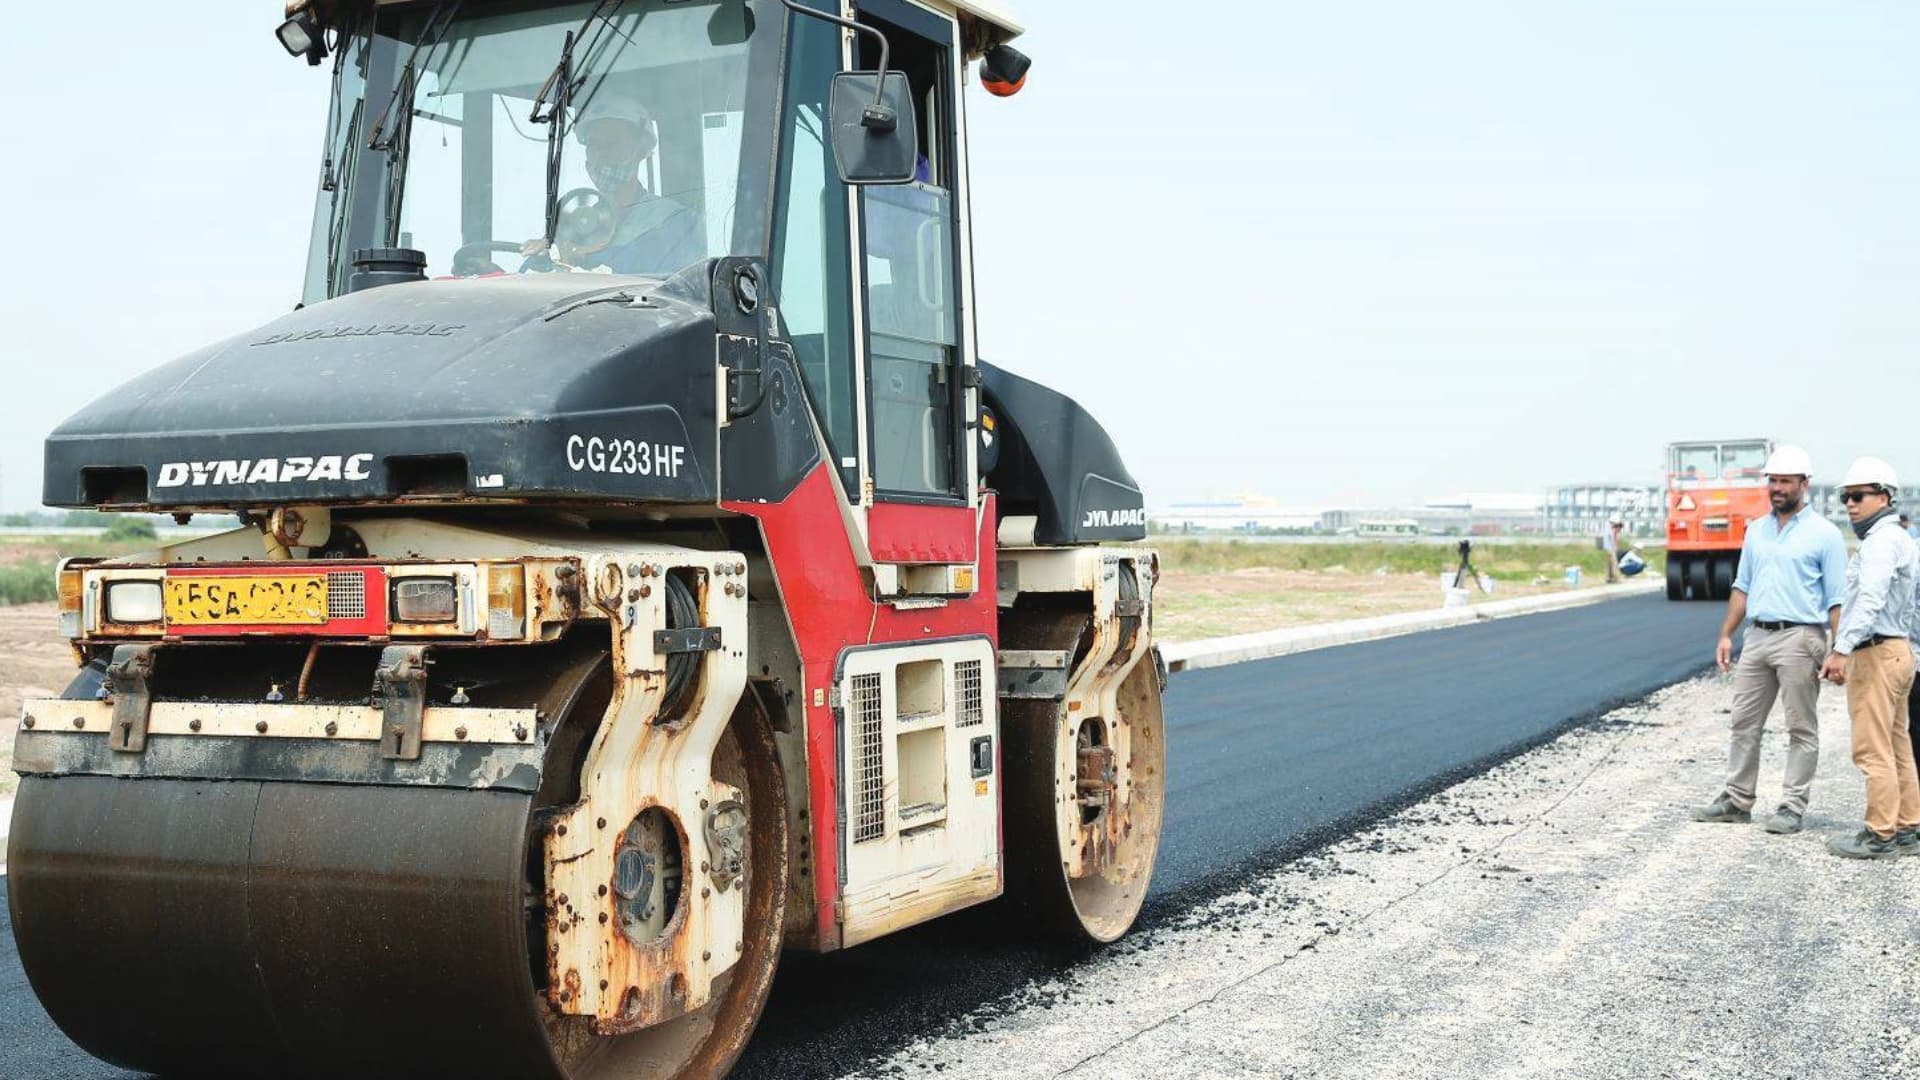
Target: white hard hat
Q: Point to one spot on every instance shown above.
(1788, 460)
(1616, 520)
(608, 105)
(1871, 472)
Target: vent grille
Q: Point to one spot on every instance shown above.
(869, 780)
(966, 678)
(346, 596)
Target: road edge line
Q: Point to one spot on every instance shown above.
(1268, 644)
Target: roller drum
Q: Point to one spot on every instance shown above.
(196, 927)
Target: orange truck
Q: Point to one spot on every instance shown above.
(1713, 490)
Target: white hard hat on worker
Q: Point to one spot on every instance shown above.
(1788, 460)
(1871, 472)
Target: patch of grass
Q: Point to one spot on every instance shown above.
(1504, 562)
(27, 565)
(28, 583)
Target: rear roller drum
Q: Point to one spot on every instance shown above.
(1101, 905)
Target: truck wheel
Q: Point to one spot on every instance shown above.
(1722, 578)
(1697, 573)
(1676, 576)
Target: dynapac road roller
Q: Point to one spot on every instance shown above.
(1713, 490)
(634, 571)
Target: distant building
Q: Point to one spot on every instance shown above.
(1583, 509)
(1245, 514)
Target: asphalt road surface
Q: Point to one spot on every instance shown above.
(1265, 760)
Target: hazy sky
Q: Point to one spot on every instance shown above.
(1343, 251)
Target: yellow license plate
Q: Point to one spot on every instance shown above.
(276, 600)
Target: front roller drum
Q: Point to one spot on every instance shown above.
(1102, 905)
(195, 927)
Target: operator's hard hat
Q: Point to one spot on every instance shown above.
(608, 105)
(1871, 472)
(1788, 460)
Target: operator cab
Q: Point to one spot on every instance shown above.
(632, 138)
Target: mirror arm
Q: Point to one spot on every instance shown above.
(877, 115)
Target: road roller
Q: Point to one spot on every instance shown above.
(622, 568)
(1713, 490)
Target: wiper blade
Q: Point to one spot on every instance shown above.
(561, 82)
(556, 94)
(436, 26)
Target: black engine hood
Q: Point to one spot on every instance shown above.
(554, 385)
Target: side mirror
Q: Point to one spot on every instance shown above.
(873, 143)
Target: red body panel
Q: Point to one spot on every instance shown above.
(373, 625)
(906, 533)
(830, 611)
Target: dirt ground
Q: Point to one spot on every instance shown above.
(34, 662)
(1205, 605)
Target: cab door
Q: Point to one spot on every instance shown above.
(913, 312)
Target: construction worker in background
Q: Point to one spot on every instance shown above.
(1610, 543)
(1873, 657)
(1788, 591)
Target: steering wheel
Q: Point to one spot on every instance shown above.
(587, 221)
(586, 225)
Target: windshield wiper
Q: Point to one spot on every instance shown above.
(399, 140)
(556, 94)
(435, 28)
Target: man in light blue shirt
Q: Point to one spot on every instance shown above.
(1788, 592)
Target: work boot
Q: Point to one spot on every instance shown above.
(1783, 822)
(1865, 844)
(1722, 809)
(1907, 841)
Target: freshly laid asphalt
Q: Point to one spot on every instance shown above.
(1265, 760)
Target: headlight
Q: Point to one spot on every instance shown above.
(425, 600)
(133, 602)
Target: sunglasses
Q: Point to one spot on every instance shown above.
(1856, 496)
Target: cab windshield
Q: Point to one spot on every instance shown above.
(505, 138)
(1695, 464)
(1741, 463)
(1734, 464)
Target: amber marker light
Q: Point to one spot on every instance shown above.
(506, 601)
(72, 585)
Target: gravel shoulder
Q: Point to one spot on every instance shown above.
(1559, 915)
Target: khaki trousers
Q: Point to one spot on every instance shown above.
(1773, 664)
(1878, 680)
